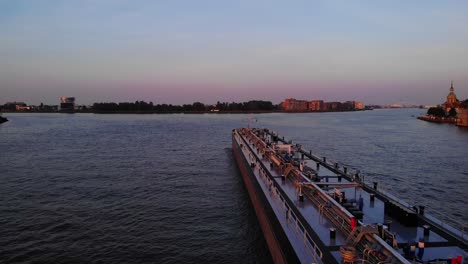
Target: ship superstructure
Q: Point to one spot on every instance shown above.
(329, 213)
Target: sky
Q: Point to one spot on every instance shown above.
(378, 52)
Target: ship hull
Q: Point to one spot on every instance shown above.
(280, 249)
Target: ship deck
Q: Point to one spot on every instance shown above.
(304, 250)
(436, 246)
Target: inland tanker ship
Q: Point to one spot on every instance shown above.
(329, 213)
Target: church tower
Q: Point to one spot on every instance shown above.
(451, 97)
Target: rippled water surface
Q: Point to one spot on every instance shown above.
(85, 188)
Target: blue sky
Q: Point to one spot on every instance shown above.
(185, 51)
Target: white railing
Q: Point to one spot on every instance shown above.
(300, 229)
(308, 243)
(459, 229)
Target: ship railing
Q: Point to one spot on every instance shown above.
(314, 156)
(452, 225)
(386, 191)
(333, 163)
(460, 230)
(308, 242)
(300, 229)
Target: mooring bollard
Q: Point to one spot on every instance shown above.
(427, 230)
(332, 233)
(421, 209)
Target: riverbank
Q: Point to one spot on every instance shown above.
(191, 112)
(461, 120)
(436, 119)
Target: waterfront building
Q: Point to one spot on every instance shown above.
(348, 106)
(294, 105)
(462, 117)
(315, 105)
(358, 105)
(67, 104)
(333, 106)
(16, 106)
(23, 108)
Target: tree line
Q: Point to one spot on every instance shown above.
(142, 106)
(440, 112)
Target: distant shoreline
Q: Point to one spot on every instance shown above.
(189, 112)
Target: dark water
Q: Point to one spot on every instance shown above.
(89, 188)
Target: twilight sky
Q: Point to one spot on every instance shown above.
(173, 51)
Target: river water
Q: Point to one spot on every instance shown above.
(85, 188)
